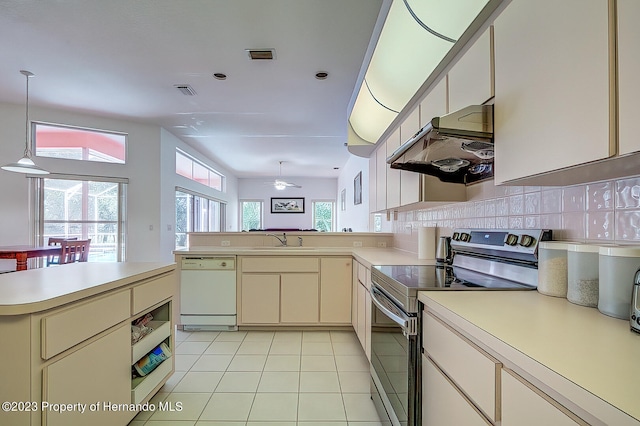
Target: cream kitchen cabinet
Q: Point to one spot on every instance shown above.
(525, 405)
(628, 72)
(335, 290)
(552, 87)
(381, 177)
(77, 349)
(471, 78)
(373, 183)
(259, 299)
(362, 305)
(471, 371)
(286, 290)
(435, 103)
(299, 300)
(393, 175)
(103, 361)
(442, 402)
(409, 181)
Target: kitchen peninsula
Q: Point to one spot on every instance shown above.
(311, 282)
(67, 340)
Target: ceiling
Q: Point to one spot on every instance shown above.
(122, 58)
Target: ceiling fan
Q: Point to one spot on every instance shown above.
(280, 184)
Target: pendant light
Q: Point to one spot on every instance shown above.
(26, 164)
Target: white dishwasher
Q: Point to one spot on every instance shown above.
(208, 293)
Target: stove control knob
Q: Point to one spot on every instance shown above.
(511, 240)
(527, 241)
(456, 236)
(464, 237)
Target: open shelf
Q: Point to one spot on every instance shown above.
(161, 331)
(141, 387)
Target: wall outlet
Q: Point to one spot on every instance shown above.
(382, 244)
(357, 243)
(225, 243)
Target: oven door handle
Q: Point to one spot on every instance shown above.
(408, 324)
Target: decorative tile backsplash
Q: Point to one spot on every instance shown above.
(607, 211)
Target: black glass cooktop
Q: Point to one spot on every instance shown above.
(425, 277)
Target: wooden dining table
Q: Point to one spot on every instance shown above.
(23, 252)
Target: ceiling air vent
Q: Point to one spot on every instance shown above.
(261, 54)
(186, 89)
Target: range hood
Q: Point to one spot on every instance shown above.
(456, 148)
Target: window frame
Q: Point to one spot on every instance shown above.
(194, 218)
(241, 211)
(210, 171)
(38, 187)
(333, 213)
(34, 142)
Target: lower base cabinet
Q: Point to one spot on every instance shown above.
(361, 320)
(80, 355)
(442, 402)
(525, 405)
(93, 374)
(260, 299)
(299, 301)
(463, 384)
(291, 291)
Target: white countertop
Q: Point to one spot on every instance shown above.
(596, 352)
(36, 290)
(365, 255)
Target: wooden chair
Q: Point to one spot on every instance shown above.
(56, 241)
(74, 251)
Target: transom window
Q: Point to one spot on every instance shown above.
(191, 168)
(74, 143)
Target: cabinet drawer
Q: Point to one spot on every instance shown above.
(525, 405)
(280, 264)
(66, 328)
(152, 292)
(442, 402)
(472, 370)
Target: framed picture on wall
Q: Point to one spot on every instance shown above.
(343, 199)
(287, 205)
(357, 189)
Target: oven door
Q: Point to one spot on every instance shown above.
(394, 361)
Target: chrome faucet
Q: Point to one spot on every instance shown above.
(283, 240)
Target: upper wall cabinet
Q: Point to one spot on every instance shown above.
(372, 183)
(381, 177)
(393, 175)
(471, 78)
(628, 72)
(552, 87)
(409, 181)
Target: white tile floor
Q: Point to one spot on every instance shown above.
(260, 378)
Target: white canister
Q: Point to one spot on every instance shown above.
(552, 268)
(582, 274)
(618, 266)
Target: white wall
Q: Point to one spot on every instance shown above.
(354, 216)
(150, 169)
(313, 189)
